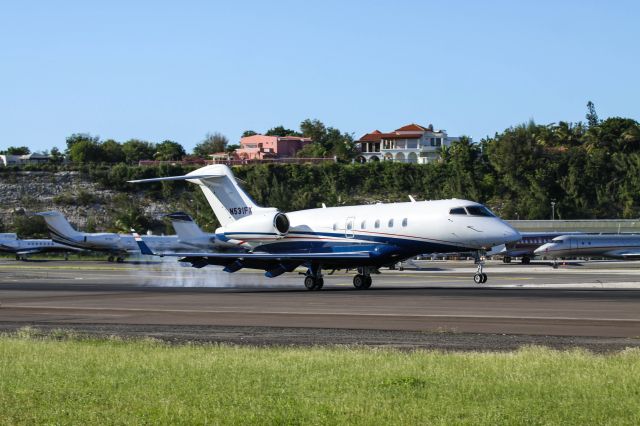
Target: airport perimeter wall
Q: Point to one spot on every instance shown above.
(578, 225)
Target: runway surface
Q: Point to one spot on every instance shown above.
(592, 304)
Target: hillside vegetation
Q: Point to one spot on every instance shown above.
(589, 171)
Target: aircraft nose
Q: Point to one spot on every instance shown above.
(543, 249)
(510, 234)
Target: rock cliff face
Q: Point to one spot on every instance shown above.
(68, 192)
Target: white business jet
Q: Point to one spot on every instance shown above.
(10, 243)
(613, 246)
(116, 245)
(364, 237)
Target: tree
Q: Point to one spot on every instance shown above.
(328, 141)
(281, 131)
(18, 150)
(86, 151)
(113, 152)
(211, 144)
(592, 117)
(313, 129)
(247, 133)
(231, 148)
(169, 151)
(136, 150)
(56, 156)
(79, 137)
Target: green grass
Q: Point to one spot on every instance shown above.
(111, 381)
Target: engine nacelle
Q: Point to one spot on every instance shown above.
(261, 226)
(100, 240)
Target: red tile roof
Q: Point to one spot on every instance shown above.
(412, 127)
(374, 136)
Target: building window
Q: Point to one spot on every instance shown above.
(363, 225)
(390, 223)
(377, 224)
(404, 222)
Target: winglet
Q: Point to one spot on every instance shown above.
(144, 248)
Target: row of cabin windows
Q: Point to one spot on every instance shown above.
(376, 224)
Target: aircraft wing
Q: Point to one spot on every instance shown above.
(628, 254)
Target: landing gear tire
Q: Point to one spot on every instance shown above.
(110, 259)
(484, 278)
(506, 259)
(368, 281)
(477, 278)
(312, 283)
(362, 282)
(18, 257)
(120, 259)
(526, 260)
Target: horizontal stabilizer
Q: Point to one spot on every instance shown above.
(184, 177)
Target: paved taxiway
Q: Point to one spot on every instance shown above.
(600, 299)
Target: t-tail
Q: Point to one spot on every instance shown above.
(186, 228)
(227, 199)
(60, 229)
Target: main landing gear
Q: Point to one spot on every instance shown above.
(118, 259)
(480, 277)
(362, 280)
(313, 278)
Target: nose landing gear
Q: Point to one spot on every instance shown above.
(480, 277)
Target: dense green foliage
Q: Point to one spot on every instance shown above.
(588, 171)
(76, 381)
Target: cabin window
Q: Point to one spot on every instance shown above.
(335, 226)
(404, 222)
(390, 223)
(377, 224)
(458, 210)
(479, 211)
(363, 225)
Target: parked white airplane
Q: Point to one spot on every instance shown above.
(615, 246)
(190, 234)
(117, 245)
(10, 243)
(365, 237)
(525, 248)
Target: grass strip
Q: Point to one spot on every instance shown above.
(63, 379)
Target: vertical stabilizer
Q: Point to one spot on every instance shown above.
(186, 228)
(225, 196)
(228, 201)
(60, 229)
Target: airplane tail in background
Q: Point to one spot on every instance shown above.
(186, 228)
(60, 229)
(227, 199)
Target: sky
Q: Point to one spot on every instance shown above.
(157, 70)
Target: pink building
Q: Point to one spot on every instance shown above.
(258, 147)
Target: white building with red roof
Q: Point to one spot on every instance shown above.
(408, 144)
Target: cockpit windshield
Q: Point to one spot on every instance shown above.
(479, 211)
(458, 210)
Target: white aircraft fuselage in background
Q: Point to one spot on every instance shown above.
(10, 243)
(365, 236)
(614, 246)
(115, 244)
